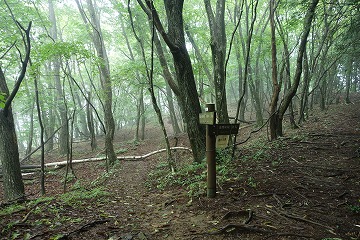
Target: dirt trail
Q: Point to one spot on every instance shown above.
(303, 186)
(307, 187)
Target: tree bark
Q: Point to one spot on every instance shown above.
(90, 124)
(105, 79)
(189, 99)
(348, 70)
(276, 86)
(9, 151)
(171, 85)
(9, 155)
(218, 49)
(59, 100)
(277, 128)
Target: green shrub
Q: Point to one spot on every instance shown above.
(192, 177)
(76, 197)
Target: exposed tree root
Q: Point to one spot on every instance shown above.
(289, 235)
(240, 228)
(244, 213)
(83, 228)
(306, 220)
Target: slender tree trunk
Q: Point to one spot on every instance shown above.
(64, 132)
(42, 132)
(348, 71)
(105, 79)
(189, 99)
(90, 124)
(170, 84)
(276, 86)
(299, 65)
(305, 91)
(200, 58)
(218, 49)
(31, 131)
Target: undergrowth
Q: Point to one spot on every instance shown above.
(192, 177)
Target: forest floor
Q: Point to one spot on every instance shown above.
(303, 186)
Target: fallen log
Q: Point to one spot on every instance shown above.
(29, 168)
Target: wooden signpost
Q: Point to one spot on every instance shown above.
(217, 136)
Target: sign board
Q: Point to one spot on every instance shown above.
(222, 141)
(226, 129)
(207, 118)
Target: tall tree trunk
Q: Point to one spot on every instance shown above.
(31, 131)
(64, 132)
(9, 152)
(299, 64)
(139, 114)
(218, 49)
(90, 123)
(348, 70)
(171, 85)
(305, 91)
(189, 99)
(105, 79)
(140, 118)
(276, 86)
(84, 131)
(200, 58)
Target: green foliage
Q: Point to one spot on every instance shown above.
(121, 150)
(251, 182)
(12, 209)
(78, 196)
(62, 49)
(2, 100)
(57, 236)
(355, 208)
(192, 177)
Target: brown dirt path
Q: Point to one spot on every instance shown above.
(303, 186)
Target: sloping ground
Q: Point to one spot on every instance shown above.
(304, 186)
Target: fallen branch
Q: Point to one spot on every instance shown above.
(138, 158)
(151, 153)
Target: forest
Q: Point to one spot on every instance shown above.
(88, 71)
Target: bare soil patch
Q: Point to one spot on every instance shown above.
(303, 186)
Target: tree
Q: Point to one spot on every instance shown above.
(276, 129)
(93, 23)
(9, 152)
(188, 97)
(218, 49)
(59, 99)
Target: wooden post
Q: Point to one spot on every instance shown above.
(211, 154)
